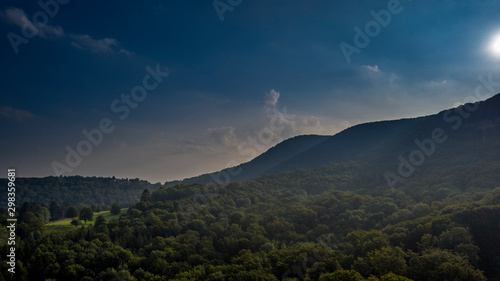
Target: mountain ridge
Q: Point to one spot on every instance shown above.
(372, 142)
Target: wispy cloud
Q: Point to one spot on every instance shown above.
(18, 17)
(222, 136)
(371, 68)
(437, 83)
(272, 98)
(17, 114)
(212, 140)
(101, 46)
(311, 124)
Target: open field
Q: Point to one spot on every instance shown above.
(65, 224)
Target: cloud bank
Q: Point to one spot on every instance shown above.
(18, 17)
(17, 114)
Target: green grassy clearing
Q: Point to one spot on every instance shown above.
(65, 224)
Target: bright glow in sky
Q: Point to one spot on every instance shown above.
(495, 45)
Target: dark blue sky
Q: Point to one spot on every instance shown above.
(227, 79)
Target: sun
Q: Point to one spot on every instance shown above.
(495, 45)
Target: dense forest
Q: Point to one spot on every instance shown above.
(303, 225)
(77, 190)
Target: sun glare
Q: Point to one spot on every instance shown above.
(495, 45)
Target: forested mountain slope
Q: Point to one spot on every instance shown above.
(463, 135)
(265, 162)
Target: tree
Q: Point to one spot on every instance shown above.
(146, 196)
(45, 214)
(115, 209)
(86, 214)
(38, 209)
(387, 260)
(72, 212)
(100, 220)
(76, 222)
(56, 211)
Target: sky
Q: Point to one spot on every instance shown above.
(164, 90)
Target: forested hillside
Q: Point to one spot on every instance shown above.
(275, 229)
(76, 190)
